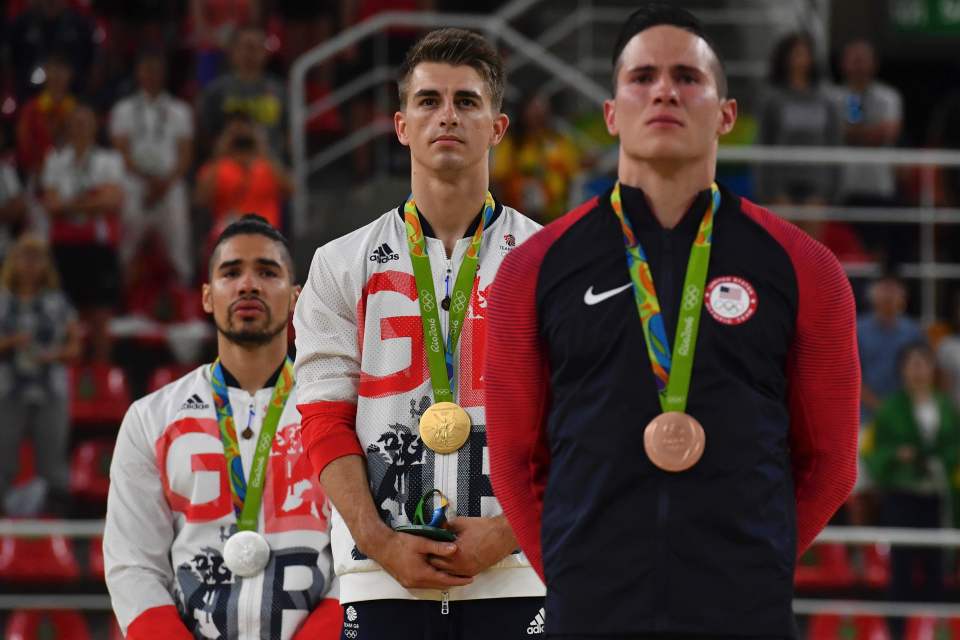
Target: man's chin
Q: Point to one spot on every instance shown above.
(251, 337)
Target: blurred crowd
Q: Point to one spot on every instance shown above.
(131, 132)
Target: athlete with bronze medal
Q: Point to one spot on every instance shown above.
(674, 440)
(445, 426)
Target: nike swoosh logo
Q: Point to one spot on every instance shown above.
(592, 298)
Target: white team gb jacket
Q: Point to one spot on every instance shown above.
(170, 511)
(360, 340)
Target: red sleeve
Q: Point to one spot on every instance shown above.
(158, 622)
(328, 431)
(518, 388)
(324, 623)
(823, 377)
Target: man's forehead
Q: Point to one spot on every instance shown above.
(248, 249)
(438, 76)
(666, 45)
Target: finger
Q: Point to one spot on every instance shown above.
(434, 548)
(443, 579)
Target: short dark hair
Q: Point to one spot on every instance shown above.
(251, 224)
(654, 14)
(456, 47)
(779, 74)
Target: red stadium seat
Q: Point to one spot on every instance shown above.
(99, 395)
(924, 628)
(90, 469)
(44, 559)
(835, 627)
(95, 560)
(163, 376)
(825, 566)
(876, 566)
(41, 625)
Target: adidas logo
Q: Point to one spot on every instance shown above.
(536, 626)
(194, 403)
(384, 254)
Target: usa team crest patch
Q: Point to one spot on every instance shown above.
(730, 300)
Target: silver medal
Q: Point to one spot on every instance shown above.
(246, 553)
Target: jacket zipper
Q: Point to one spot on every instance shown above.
(445, 603)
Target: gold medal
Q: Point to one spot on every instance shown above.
(674, 441)
(444, 427)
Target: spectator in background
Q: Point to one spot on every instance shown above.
(797, 112)
(83, 195)
(13, 204)
(535, 163)
(242, 176)
(38, 333)
(872, 113)
(44, 27)
(881, 335)
(245, 90)
(214, 24)
(42, 122)
(914, 452)
(154, 132)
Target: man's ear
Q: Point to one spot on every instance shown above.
(728, 117)
(500, 125)
(294, 296)
(610, 116)
(206, 298)
(400, 126)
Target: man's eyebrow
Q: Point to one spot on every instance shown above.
(422, 93)
(468, 93)
(264, 262)
(227, 264)
(677, 67)
(268, 262)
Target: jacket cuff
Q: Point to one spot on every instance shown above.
(158, 622)
(328, 431)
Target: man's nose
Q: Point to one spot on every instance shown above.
(665, 90)
(448, 113)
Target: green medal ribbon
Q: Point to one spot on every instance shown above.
(440, 355)
(247, 496)
(672, 371)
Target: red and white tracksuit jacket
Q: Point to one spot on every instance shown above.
(364, 383)
(170, 511)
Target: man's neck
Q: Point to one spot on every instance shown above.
(80, 150)
(670, 188)
(449, 203)
(252, 366)
(151, 94)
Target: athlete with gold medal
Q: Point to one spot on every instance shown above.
(390, 354)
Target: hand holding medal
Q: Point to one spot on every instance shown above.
(435, 528)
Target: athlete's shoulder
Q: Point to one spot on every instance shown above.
(388, 228)
(518, 224)
(806, 253)
(187, 395)
(537, 246)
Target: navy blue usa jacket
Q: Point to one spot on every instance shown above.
(628, 549)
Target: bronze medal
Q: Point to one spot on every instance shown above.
(444, 427)
(674, 441)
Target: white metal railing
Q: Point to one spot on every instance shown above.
(943, 538)
(494, 26)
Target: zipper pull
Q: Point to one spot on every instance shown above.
(445, 603)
